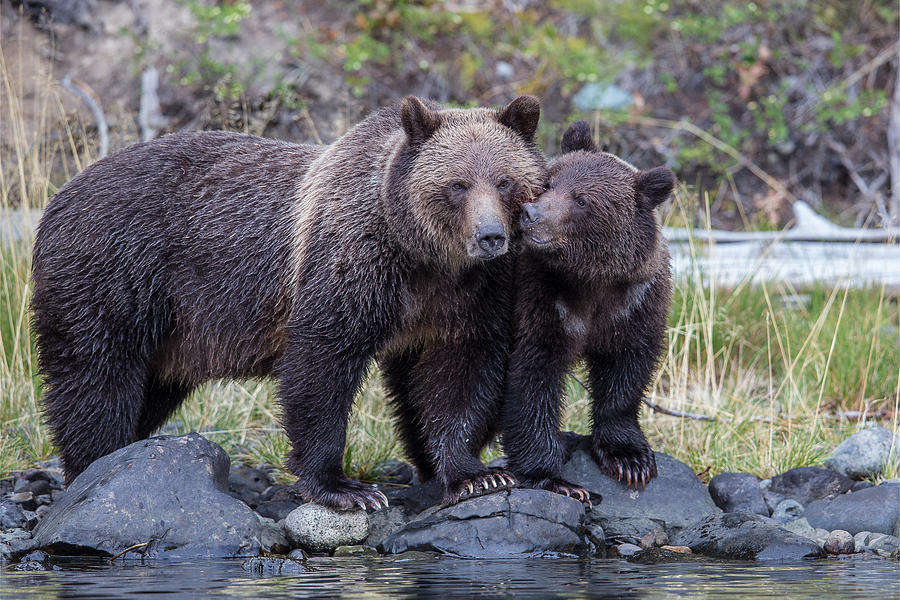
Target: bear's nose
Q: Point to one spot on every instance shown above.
(491, 237)
(530, 214)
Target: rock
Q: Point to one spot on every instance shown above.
(169, 491)
(802, 528)
(246, 484)
(519, 523)
(34, 561)
(416, 498)
(655, 556)
(596, 536)
(678, 549)
(276, 509)
(316, 528)
(786, 511)
(598, 96)
(865, 453)
(875, 509)
(866, 540)
(672, 500)
(385, 522)
(887, 544)
(839, 542)
(272, 537)
(279, 493)
(395, 471)
(654, 539)
(11, 515)
(805, 484)
(24, 499)
(298, 554)
(626, 550)
(270, 567)
(737, 492)
(744, 536)
(351, 551)
(861, 485)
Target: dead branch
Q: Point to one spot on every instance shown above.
(654, 407)
(150, 116)
(893, 136)
(81, 89)
(127, 550)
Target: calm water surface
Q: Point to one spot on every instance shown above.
(457, 578)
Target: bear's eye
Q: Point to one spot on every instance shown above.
(503, 184)
(458, 186)
(580, 201)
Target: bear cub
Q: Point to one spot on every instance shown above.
(592, 281)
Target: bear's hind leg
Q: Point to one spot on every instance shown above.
(396, 368)
(160, 401)
(92, 406)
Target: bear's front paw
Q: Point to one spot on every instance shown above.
(344, 494)
(488, 482)
(634, 464)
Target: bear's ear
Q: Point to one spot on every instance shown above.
(419, 121)
(655, 185)
(522, 115)
(578, 137)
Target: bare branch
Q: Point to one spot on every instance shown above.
(81, 89)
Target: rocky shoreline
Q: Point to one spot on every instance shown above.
(177, 497)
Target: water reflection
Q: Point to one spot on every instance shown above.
(453, 578)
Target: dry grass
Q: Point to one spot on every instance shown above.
(772, 376)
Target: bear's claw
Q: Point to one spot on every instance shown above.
(490, 481)
(346, 494)
(636, 465)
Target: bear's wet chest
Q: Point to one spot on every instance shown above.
(590, 316)
(436, 308)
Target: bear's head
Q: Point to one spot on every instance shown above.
(598, 215)
(462, 176)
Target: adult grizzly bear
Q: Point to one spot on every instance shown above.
(213, 255)
(592, 281)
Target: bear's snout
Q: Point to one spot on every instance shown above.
(530, 214)
(491, 238)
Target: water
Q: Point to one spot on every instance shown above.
(456, 578)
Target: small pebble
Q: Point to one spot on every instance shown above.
(678, 549)
(626, 550)
(839, 542)
(345, 551)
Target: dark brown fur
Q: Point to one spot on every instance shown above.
(593, 282)
(211, 255)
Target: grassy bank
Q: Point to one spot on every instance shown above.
(773, 365)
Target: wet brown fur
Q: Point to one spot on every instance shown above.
(592, 281)
(213, 255)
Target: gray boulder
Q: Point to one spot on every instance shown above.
(805, 484)
(745, 536)
(170, 493)
(875, 509)
(385, 522)
(672, 500)
(786, 511)
(518, 523)
(317, 528)
(865, 453)
(11, 515)
(738, 492)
